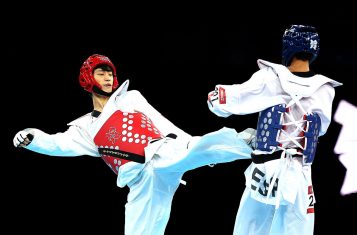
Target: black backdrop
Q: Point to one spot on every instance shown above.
(174, 63)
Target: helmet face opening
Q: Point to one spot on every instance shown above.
(86, 78)
(300, 39)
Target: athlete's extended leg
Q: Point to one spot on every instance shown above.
(221, 146)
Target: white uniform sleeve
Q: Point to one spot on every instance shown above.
(163, 124)
(73, 142)
(264, 90)
(249, 97)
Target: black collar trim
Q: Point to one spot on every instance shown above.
(304, 74)
(95, 113)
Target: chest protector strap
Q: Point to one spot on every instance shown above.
(271, 124)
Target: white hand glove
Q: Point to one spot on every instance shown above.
(22, 138)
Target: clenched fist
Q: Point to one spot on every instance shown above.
(22, 138)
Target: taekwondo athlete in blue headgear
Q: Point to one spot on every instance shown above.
(294, 106)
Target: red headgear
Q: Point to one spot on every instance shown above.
(86, 78)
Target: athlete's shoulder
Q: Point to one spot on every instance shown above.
(135, 93)
(81, 120)
(264, 64)
(323, 79)
(266, 70)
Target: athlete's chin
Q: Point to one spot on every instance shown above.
(108, 90)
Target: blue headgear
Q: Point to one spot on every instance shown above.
(300, 38)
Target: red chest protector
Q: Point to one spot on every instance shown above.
(123, 137)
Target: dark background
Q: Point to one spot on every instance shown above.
(174, 61)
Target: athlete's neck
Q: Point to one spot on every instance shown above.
(99, 101)
(299, 66)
